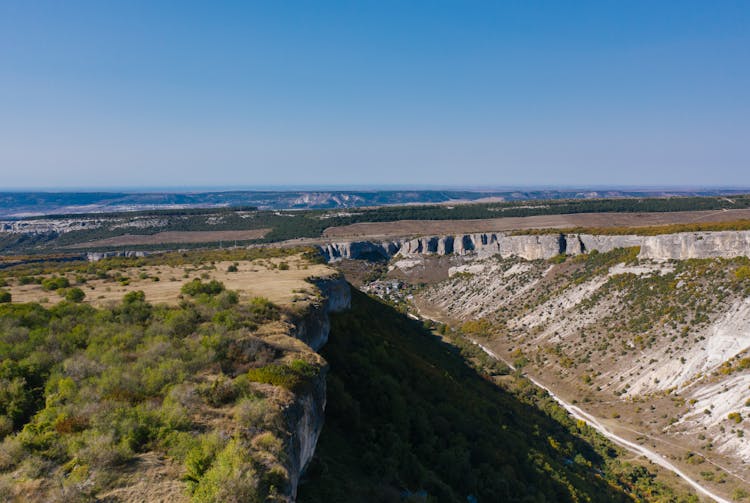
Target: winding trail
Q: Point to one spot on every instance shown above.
(592, 421)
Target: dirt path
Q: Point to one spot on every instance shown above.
(592, 421)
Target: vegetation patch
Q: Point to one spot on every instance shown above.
(293, 376)
(87, 393)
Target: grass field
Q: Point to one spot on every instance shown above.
(174, 237)
(598, 220)
(255, 278)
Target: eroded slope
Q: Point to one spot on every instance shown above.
(657, 348)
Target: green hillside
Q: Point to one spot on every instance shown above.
(408, 419)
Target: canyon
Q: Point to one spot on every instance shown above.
(648, 335)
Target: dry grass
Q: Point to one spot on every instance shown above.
(738, 225)
(257, 278)
(175, 237)
(584, 220)
(149, 477)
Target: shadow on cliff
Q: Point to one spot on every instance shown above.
(408, 419)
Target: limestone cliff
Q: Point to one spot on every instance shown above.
(305, 416)
(678, 246)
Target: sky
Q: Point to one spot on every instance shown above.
(432, 93)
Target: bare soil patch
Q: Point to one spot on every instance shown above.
(175, 237)
(438, 227)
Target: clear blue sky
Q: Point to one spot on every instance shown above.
(107, 94)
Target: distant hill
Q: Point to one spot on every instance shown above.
(15, 204)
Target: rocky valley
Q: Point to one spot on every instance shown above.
(649, 333)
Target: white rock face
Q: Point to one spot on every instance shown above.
(543, 246)
(689, 245)
(603, 244)
(556, 307)
(724, 338)
(721, 399)
(660, 268)
(681, 246)
(530, 247)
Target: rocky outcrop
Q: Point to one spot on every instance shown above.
(584, 243)
(689, 245)
(96, 256)
(306, 415)
(678, 246)
(484, 244)
(313, 328)
(305, 418)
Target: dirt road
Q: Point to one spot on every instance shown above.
(592, 421)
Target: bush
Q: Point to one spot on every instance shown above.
(230, 477)
(262, 310)
(6, 426)
(558, 259)
(232, 268)
(196, 287)
(5, 297)
(55, 283)
(221, 391)
(74, 295)
(742, 272)
(135, 309)
(292, 376)
(198, 460)
(254, 413)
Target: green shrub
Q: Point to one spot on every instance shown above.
(232, 268)
(262, 310)
(134, 308)
(5, 297)
(292, 376)
(6, 426)
(226, 299)
(197, 287)
(742, 272)
(558, 259)
(199, 459)
(231, 477)
(55, 283)
(74, 295)
(254, 413)
(221, 391)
